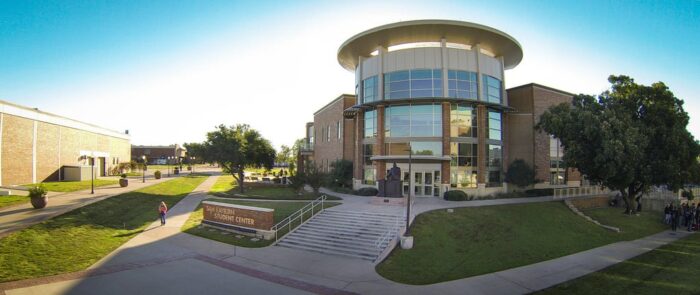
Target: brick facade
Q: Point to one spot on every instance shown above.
(329, 148)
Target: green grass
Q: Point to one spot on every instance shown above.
(77, 239)
(669, 269)
(282, 211)
(12, 200)
(225, 187)
(71, 186)
(134, 174)
(474, 241)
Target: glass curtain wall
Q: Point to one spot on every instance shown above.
(413, 84)
(492, 89)
(370, 89)
(461, 84)
(557, 171)
(371, 124)
(463, 166)
(462, 121)
(369, 171)
(423, 120)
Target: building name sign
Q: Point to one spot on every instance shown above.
(238, 215)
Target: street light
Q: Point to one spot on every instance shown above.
(193, 162)
(408, 205)
(168, 165)
(92, 183)
(144, 168)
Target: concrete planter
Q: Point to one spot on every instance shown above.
(406, 243)
(39, 202)
(123, 182)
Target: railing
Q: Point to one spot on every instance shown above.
(570, 192)
(299, 214)
(306, 147)
(389, 235)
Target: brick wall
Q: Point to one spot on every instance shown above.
(328, 151)
(17, 137)
(591, 202)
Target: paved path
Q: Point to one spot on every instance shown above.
(162, 260)
(20, 216)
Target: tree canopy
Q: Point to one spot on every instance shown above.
(235, 148)
(520, 173)
(628, 138)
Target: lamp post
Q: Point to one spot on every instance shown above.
(144, 168)
(168, 165)
(408, 204)
(92, 169)
(193, 162)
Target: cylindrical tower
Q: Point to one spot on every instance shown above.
(434, 88)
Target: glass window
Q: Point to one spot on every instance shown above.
(370, 89)
(423, 120)
(492, 89)
(462, 121)
(461, 84)
(423, 148)
(370, 176)
(463, 167)
(557, 170)
(371, 123)
(494, 125)
(328, 133)
(367, 154)
(413, 84)
(340, 131)
(494, 164)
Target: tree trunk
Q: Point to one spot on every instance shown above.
(240, 183)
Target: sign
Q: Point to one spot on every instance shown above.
(238, 215)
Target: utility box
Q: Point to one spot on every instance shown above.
(76, 173)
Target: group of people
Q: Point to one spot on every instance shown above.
(686, 215)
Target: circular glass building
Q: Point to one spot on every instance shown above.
(434, 89)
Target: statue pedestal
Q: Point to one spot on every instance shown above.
(388, 201)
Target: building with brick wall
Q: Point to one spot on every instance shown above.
(35, 146)
(159, 154)
(432, 92)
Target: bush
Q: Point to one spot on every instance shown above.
(540, 192)
(456, 195)
(157, 174)
(123, 175)
(37, 192)
(520, 173)
(367, 192)
(688, 195)
(341, 174)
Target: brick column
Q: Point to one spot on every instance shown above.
(481, 114)
(445, 165)
(379, 147)
(359, 135)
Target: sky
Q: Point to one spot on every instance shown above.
(170, 71)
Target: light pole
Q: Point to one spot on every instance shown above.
(168, 165)
(410, 189)
(144, 168)
(193, 162)
(92, 183)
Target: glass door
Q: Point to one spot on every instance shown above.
(428, 187)
(418, 183)
(406, 184)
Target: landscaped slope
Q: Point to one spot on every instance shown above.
(479, 240)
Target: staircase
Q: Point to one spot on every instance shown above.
(362, 235)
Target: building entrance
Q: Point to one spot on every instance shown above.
(422, 184)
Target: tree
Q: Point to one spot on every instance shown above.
(284, 155)
(629, 138)
(314, 176)
(235, 148)
(296, 147)
(520, 173)
(341, 173)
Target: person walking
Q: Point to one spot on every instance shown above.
(667, 214)
(162, 210)
(674, 218)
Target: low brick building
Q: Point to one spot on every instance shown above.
(159, 154)
(36, 145)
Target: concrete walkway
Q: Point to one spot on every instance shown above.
(162, 260)
(20, 216)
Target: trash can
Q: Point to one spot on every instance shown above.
(177, 171)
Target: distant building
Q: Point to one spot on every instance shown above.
(159, 154)
(36, 145)
(434, 89)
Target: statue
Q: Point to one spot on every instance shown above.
(391, 187)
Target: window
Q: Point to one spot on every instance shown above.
(370, 89)
(557, 170)
(367, 154)
(493, 164)
(462, 121)
(370, 176)
(463, 166)
(371, 124)
(328, 133)
(461, 84)
(413, 84)
(340, 131)
(492, 89)
(494, 125)
(422, 148)
(424, 120)
(311, 135)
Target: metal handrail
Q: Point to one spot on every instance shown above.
(390, 234)
(299, 214)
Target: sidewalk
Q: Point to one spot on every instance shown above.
(21, 216)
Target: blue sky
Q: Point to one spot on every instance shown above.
(169, 71)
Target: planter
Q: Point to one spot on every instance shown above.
(39, 202)
(123, 182)
(176, 171)
(157, 175)
(189, 168)
(406, 242)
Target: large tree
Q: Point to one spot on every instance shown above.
(629, 138)
(235, 148)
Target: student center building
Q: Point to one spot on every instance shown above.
(435, 88)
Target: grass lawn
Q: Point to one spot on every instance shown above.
(77, 239)
(133, 174)
(670, 269)
(474, 241)
(12, 200)
(282, 210)
(71, 186)
(225, 187)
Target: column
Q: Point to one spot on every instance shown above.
(445, 85)
(380, 76)
(445, 165)
(479, 86)
(379, 149)
(481, 114)
(358, 164)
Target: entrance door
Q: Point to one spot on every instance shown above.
(426, 183)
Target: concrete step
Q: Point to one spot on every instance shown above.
(361, 222)
(326, 251)
(335, 235)
(329, 231)
(322, 243)
(350, 227)
(376, 216)
(326, 237)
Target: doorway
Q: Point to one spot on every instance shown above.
(422, 184)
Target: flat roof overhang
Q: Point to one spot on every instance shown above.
(495, 41)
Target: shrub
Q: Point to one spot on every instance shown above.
(520, 173)
(123, 175)
(296, 181)
(456, 195)
(540, 192)
(341, 174)
(688, 195)
(367, 192)
(37, 192)
(157, 174)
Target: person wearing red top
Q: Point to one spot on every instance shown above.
(163, 209)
